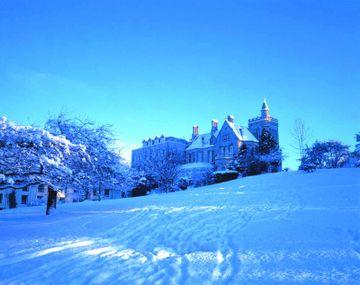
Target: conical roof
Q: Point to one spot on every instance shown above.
(265, 105)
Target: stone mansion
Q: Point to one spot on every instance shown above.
(217, 147)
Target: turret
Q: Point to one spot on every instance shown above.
(265, 111)
(265, 121)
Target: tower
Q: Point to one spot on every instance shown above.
(265, 111)
(265, 121)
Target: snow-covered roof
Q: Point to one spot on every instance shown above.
(247, 135)
(242, 132)
(202, 141)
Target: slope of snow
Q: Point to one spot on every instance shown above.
(286, 228)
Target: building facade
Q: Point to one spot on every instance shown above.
(218, 146)
(157, 148)
(31, 195)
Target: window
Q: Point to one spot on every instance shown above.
(1, 198)
(225, 138)
(107, 192)
(41, 188)
(211, 156)
(231, 149)
(25, 189)
(24, 199)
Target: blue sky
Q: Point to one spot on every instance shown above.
(153, 67)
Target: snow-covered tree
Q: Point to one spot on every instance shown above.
(357, 146)
(164, 168)
(270, 155)
(247, 161)
(109, 169)
(267, 143)
(30, 155)
(354, 160)
(328, 154)
(266, 157)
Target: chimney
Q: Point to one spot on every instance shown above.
(214, 125)
(231, 118)
(195, 131)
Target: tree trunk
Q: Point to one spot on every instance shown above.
(99, 191)
(51, 202)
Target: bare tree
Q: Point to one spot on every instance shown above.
(164, 167)
(301, 136)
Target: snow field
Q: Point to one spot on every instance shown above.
(286, 228)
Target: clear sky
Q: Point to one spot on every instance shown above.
(153, 67)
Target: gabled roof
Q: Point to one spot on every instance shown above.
(242, 132)
(202, 141)
(247, 135)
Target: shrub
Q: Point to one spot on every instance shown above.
(140, 190)
(183, 183)
(308, 167)
(222, 176)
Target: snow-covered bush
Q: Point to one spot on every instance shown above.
(183, 183)
(198, 174)
(226, 175)
(307, 166)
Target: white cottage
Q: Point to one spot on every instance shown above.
(30, 195)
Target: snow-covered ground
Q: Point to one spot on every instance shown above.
(286, 228)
